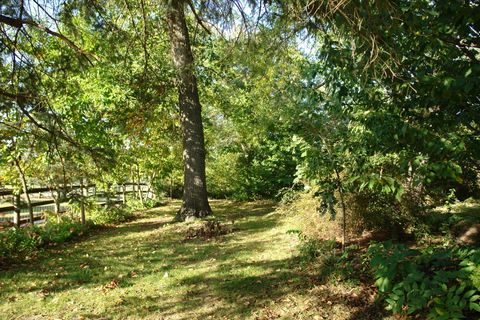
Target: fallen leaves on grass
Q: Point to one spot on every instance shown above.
(44, 293)
(268, 314)
(110, 286)
(208, 230)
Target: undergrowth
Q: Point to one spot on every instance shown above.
(17, 244)
(20, 243)
(435, 282)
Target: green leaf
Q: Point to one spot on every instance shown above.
(475, 297)
(469, 293)
(474, 306)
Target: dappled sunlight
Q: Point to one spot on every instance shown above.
(149, 259)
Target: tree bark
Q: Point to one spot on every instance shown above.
(195, 201)
(344, 211)
(25, 190)
(56, 195)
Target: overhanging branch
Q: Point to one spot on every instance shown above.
(22, 98)
(19, 23)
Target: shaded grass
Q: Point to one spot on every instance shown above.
(146, 270)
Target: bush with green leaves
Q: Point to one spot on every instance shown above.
(61, 231)
(312, 248)
(287, 195)
(435, 282)
(152, 203)
(375, 211)
(75, 205)
(135, 204)
(331, 265)
(17, 243)
(110, 215)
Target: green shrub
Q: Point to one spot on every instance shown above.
(135, 204)
(61, 231)
(353, 265)
(437, 283)
(287, 195)
(74, 205)
(110, 215)
(311, 248)
(152, 203)
(379, 212)
(330, 265)
(18, 242)
(437, 222)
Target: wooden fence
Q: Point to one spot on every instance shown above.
(41, 204)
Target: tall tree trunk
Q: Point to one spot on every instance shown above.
(107, 195)
(25, 190)
(195, 201)
(56, 195)
(344, 211)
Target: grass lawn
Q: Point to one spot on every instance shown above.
(145, 269)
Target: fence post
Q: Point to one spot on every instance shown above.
(82, 201)
(107, 194)
(17, 209)
(124, 192)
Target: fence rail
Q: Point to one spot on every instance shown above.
(7, 211)
(10, 192)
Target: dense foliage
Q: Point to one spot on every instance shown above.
(18, 243)
(440, 283)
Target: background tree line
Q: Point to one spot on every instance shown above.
(375, 100)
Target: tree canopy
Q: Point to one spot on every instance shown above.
(380, 96)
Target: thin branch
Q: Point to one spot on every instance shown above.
(19, 23)
(197, 17)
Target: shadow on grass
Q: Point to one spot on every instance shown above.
(224, 281)
(236, 295)
(115, 253)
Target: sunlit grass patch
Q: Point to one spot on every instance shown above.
(146, 269)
